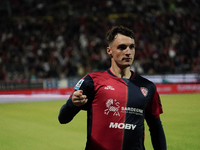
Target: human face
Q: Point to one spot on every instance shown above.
(122, 51)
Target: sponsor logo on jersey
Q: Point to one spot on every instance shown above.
(132, 110)
(78, 85)
(112, 107)
(144, 91)
(126, 126)
(109, 87)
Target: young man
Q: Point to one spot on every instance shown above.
(117, 101)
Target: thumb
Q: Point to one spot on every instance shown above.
(78, 93)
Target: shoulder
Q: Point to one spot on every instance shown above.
(142, 81)
(90, 78)
(141, 78)
(99, 75)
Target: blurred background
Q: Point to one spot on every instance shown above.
(42, 39)
(46, 46)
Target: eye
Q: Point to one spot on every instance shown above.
(122, 47)
(132, 46)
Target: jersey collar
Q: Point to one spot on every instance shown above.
(132, 73)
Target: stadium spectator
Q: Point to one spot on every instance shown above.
(43, 35)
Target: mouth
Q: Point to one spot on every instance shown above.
(127, 59)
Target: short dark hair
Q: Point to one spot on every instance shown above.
(110, 35)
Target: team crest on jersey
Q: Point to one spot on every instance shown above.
(112, 106)
(78, 85)
(144, 91)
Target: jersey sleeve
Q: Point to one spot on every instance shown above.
(88, 90)
(154, 106)
(68, 110)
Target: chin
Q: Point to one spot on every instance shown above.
(128, 64)
(125, 65)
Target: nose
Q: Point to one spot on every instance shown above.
(128, 51)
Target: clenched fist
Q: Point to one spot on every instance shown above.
(78, 99)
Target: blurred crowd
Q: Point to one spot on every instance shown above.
(66, 38)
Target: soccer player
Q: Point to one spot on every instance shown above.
(117, 101)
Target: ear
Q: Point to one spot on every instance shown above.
(109, 51)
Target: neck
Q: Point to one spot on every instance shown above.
(121, 73)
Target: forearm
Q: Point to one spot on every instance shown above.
(67, 112)
(157, 133)
(158, 137)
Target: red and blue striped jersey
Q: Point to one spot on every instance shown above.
(116, 110)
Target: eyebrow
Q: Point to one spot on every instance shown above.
(124, 45)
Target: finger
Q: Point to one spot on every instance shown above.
(81, 96)
(80, 102)
(83, 101)
(78, 93)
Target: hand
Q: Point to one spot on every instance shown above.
(78, 99)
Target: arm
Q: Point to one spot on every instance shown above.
(79, 100)
(67, 112)
(156, 131)
(72, 107)
(152, 116)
